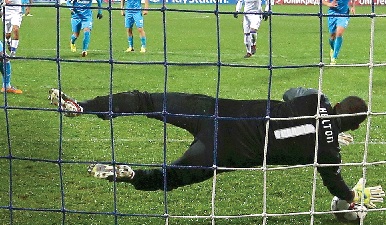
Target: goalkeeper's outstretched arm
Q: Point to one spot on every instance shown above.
(334, 182)
(337, 187)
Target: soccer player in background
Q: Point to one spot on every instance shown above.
(26, 10)
(336, 24)
(81, 19)
(5, 69)
(12, 19)
(240, 135)
(251, 22)
(133, 14)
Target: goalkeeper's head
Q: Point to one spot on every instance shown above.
(351, 105)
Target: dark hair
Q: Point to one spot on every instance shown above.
(351, 105)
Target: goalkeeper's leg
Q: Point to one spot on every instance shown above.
(196, 165)
(67, 104)
(127, 102)
(150, 104)
(104, 171)
(193, 167)
(124, 103)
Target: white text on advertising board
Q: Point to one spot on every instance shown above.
(376, 2)
(317, 2)
(302, 2)
(192, 1)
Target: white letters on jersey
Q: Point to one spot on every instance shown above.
(307, 129)
(326, 125)
(294, 131)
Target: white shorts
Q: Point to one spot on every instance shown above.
(12, 19)
(251, 21)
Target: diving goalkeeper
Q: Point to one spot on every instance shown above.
(239, 135)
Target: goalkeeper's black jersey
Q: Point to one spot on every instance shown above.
(242, 125)
(236, 131)
(241, 133)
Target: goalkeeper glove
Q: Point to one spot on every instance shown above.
(99, 16)
(265, 15)
(236, 15)
(370, 194)
(344, 139)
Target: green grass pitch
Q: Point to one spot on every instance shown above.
(32, 127)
